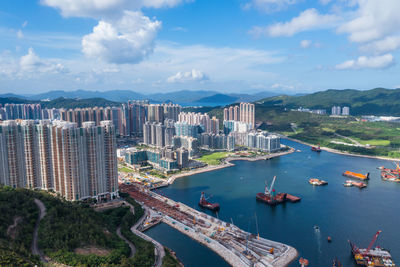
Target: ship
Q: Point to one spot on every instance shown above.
(392, 175)
(377, 256)
(350, 183)
(272, 198)
(316, 148)
(356, 175)
(207, 205)
(318, 182)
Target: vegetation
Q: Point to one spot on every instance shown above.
(214, 158)
(17, 208)
(169, 260)
(378, 101)
(67, 227)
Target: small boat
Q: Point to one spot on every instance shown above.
(348, 183)
(318, 182)
(329, 239)
(316, 228)
(316, 148)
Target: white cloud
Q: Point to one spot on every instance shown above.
(20, 35)
(128, 40)
(104, 8)
(373, 20)
(269, 5)
(189, 76)
(362, 62)
(31, 62)
(24, 24)
(282, 86)
(305, 43)
(309, 19)
(325, 2)
(385, 45)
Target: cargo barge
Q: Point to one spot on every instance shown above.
(372, 256)
(272, 198)
(392, 175)
(356, 175)
(207, 205)
(350, 183)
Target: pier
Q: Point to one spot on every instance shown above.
(235, 246)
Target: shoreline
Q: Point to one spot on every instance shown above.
(227, 162)
(342, 152)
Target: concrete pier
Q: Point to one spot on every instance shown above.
(235, 246)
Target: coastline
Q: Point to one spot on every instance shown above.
(342, 152)
(227, 162)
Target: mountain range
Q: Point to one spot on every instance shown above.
(185, 97)
(378, 101)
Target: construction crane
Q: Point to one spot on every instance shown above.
(372, 242)
(271, 190)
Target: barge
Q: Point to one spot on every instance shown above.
(356, 175)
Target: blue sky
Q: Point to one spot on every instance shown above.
(289, 46)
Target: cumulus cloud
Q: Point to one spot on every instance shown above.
(305, 43)
(189, 76)
(309, 19)
(31, 62)
(269, 5)
(128, 40)
(104, 8)
(385, 45)
(373, 20)
(20, 35)
(362, 62)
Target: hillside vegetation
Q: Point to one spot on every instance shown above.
(62, 102)
(377, 101)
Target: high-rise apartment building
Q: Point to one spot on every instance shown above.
(245, 112)
(346, 111)
(77, 163)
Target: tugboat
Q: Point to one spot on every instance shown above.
(207, 205)
(372, 256)
(316, 148)
(348, 183)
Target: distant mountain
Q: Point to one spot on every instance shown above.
(378, 101)
(63, 102)
(217, 98)
(181, 97)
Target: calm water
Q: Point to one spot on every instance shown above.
(340, 212)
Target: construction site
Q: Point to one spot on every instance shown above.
(235, 246)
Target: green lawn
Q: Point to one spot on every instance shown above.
(214, 158)
(125, 169)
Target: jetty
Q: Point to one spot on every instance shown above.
(235, 246)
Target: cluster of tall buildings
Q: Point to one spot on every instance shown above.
(76, 162)
(203, 120)
(20, 111)
(337, 110)
(245, 112)
(165, 159)
(263, 141)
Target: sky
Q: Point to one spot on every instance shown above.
(231, 46)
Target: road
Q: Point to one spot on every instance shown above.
(42, 213)
(131, 245)
(159, 249)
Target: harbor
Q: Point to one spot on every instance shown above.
(341, 213)
(234, 245)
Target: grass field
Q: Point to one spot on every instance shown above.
(214, 158)
(125, 169)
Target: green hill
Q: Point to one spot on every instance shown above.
(378, 101)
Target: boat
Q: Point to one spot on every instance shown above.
(372, 256)
(356, 175)
(272, 198)
(207, 205)
(359, 184)
(318, 182)
(348, 183)
(316, 148)
(316, 228)
(329, 239)
(392, 175)
(337, 263)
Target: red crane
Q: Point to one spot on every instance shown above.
(373, 241)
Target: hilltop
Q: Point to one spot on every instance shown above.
(378, 101)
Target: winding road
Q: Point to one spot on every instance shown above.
(131, 245)
(42, 213)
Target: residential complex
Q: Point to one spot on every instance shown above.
(337, 110)
(245, 112)
(76, 162)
